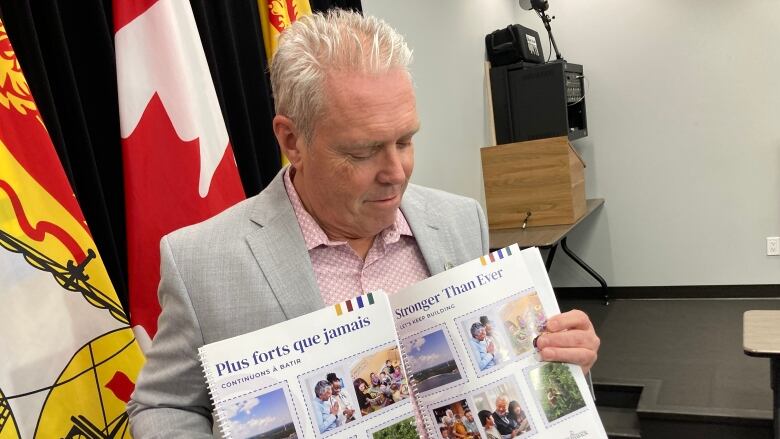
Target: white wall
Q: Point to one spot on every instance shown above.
(683, 103)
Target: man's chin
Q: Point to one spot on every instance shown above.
(379, 224)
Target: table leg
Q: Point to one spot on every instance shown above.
(587, 268)
(550, 255)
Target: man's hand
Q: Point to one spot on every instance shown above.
(570, 338)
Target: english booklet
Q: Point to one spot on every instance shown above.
(459, 343)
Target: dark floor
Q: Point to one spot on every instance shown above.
(691, 348)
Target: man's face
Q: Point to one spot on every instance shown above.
(480, 334)
(469, 416)
(326, 394)
(353, 173)
(501, 406)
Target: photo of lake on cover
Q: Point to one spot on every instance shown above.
(432, 361)
(266, 416)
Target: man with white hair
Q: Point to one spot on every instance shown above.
(505, 424)
(341, 219)
(326, 410)
(484, 351)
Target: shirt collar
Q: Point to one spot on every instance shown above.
(314, 236)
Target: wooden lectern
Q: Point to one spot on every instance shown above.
(545, 177)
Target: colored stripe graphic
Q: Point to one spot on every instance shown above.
(500, 254)
(370, 298)
(508, 252)
(338, 309)
(492, 258)
(482, 260)
(359, 301)
(349, 306)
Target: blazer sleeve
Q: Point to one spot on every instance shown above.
(171, 397)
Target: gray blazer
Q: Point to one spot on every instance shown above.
(248, 268)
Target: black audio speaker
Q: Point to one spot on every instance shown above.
(513, 44)
(538, 101)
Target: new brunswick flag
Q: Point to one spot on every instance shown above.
(68, 359)
(276, 16)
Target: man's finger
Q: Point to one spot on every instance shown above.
(569, 339)
(574, 319)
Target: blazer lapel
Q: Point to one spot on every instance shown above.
(280, 250)
(428, 228)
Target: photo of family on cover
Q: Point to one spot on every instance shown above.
(500, 411)
(431, 360)
(379, 381)
(355, 388)
(503, 332)
(555, 390)
(266, 416)
(456, 420)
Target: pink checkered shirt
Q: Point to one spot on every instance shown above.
(393, 262)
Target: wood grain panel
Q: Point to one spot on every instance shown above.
(545, 177)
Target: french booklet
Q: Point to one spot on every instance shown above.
(459, 343)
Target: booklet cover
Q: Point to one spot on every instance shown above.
(460, 343)
(334, 373)
(466, 336)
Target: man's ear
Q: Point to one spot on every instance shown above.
(288, 138)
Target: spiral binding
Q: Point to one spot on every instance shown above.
(407, 361)
(219, 415)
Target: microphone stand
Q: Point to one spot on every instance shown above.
(546, 20)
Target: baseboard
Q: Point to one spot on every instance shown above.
(673, 292)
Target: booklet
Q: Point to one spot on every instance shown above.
(459, 343)
(334, 373)
(466, 338)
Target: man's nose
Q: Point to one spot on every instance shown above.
(392, 171)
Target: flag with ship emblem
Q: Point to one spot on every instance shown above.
(276, 16)
(178, 163)
(68, 356)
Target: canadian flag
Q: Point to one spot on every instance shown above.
(179, 167)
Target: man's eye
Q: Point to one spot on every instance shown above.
(358, 157)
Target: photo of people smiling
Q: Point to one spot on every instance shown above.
(501, 412)
(352, 389)
(379, 381)
(523, 319)
(455, 420)
(331, 404)
(497, 334)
